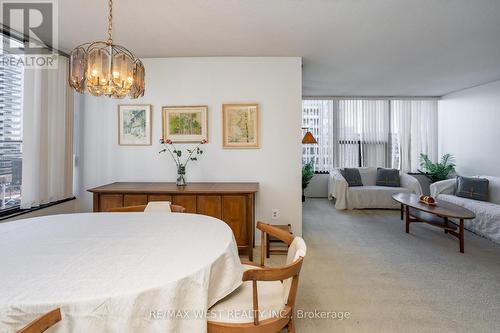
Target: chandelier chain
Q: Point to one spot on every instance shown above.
(104, 69)
(110, 22)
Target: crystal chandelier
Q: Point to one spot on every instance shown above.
(104, 68)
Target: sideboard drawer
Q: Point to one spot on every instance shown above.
(186, 201)
(159, 197)
(107, 201)
(210, 205)
(134, 200)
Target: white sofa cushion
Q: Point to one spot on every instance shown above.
(373, 197)
(487, 221)
(494, 189)
(368, 176)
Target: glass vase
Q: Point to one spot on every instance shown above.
(181, 173)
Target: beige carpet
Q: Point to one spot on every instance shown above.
(362, 262)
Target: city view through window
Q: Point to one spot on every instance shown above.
(11, 92)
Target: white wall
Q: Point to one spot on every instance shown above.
(318, 187)
(469, 123)
(275, 83)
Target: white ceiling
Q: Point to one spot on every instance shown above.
(349, 47)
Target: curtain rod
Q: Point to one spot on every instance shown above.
(20, 37)
(372, 97)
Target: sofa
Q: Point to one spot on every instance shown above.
(369, 195)
(487, 221)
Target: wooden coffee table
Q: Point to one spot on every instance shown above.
(414, 211)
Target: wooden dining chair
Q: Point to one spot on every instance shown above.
(141, 208)
(43, 323)
(266, 299)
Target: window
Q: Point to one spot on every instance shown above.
(316, 118)
(370, 132)
(362, 132)
(11, 93)
(36, 131)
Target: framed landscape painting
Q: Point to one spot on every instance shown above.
(134, 125)
(240, 128)
(185, 124)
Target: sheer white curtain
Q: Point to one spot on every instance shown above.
(361, 131)
(414, 128)
(48, 108)
(354, 132)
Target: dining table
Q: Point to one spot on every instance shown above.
(116, 272)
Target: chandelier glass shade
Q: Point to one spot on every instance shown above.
(103, 68)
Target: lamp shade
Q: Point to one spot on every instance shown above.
(309, 138)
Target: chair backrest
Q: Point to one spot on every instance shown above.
(177, 209)
(43, 323)
(141, 208)
(288, 274)
(158, 207)
(281, 234)
(296, 251)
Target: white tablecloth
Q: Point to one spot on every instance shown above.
(116, 272)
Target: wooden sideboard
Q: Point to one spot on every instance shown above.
(233, 203)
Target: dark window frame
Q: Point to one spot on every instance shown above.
(17, 211)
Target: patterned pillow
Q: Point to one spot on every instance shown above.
(388, 177)
(472, 188)
(352, 176)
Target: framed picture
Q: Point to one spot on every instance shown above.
(185, 124)
(134, 125)
(240, 125)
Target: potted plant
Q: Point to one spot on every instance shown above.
(307, 174)
(437, 171)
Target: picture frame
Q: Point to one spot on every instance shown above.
(185, 124)
(134, 124)
(240, 126)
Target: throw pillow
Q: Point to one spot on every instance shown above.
(473, 188)
(352, 176)
(387, 177)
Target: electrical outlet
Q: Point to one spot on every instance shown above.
(275, 214)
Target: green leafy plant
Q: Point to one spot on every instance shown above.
(307, 174)
(437, 171)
